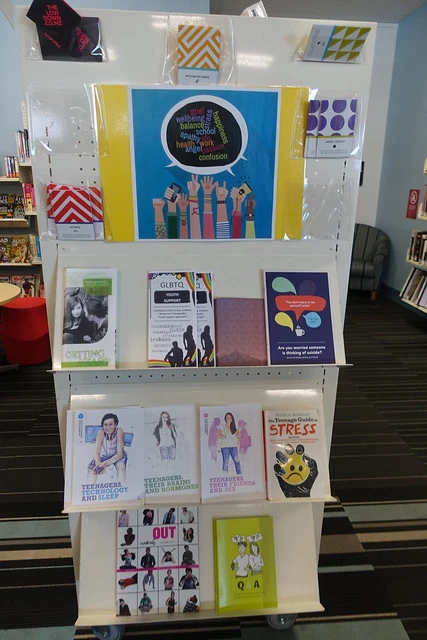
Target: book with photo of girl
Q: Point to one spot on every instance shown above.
(104, 464)
(232, 453)
(170, 454)
(88, 336)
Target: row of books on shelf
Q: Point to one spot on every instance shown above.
(30, 285)
(23, 146)
(415, 288)
(155, 455)
(417, 251)
(20, 249)
(160, 566)
(13, 205)
(11, 166)
(297, 321)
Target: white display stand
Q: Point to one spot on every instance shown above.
(265, 56)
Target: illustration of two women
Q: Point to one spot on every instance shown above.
(231, 439)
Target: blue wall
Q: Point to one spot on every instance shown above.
(406, 142)
(11, 94)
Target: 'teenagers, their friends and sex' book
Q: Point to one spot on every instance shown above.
(232, 453)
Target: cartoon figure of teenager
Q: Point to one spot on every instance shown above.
(229, 442)
(148, 517)
(187, 556)
(109, 450)
(188, 534)
(165, 434)
(208, 346)
(240, 564)
(256, 561)
(148, 580)
(123, 608)
(244, 438)
(190, 346)
(129, 537)
(168, 557)
(175, 356)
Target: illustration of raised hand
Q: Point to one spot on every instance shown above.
(237, 198)
(193, 186)
(183, 202)
(250, 207)
(170, 196)
(221, 192)
(208, 185)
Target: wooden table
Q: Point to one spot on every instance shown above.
(8, 292)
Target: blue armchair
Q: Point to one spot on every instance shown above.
(371, 247)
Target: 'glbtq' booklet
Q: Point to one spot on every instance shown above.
(104, 461)
(172, 319)
(171, 454)
(232, 453)
(89, 318)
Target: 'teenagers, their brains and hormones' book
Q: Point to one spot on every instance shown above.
(89, 319)
(172, 319)
(171, 454)
(245, 569)
(232, 453)
(295, 454)
(104, 463)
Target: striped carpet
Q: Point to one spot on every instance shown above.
(372, 566)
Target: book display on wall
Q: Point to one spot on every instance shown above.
(197, 344)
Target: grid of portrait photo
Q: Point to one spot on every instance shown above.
(158, 568)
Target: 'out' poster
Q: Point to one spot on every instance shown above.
(204, 162)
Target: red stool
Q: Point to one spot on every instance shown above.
(25, 331)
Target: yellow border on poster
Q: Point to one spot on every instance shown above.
(116, 167)
(115, 161)
(291, 163)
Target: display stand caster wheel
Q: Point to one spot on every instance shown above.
(111, 632)
(281, 620)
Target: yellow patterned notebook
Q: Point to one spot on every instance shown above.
(198, 54)
(245, 569)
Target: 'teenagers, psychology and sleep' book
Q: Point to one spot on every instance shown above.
(104, 457)
(232, 453)
(245, 569)
(295, 454)
(171, 454)
(89, 319)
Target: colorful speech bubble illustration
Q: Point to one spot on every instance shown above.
(300, 304)
(284, 320)
(282, 285)
(204, 135)
(313, 320)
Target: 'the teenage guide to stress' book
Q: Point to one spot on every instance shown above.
(232, 453)
(295, 452)
(104, 457)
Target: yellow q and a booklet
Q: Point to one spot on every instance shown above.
(245, 568)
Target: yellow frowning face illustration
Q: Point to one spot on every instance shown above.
(293, 467)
